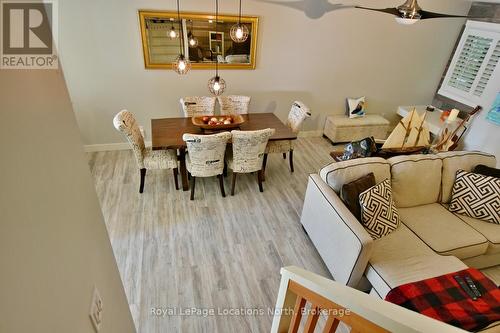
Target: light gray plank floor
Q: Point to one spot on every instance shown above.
(211, 253)
(214, 252)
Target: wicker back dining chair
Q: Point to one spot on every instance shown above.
(146, 158)
(234, 104)
(248, 153)
(197, 105)
(298, 113)
(205, 157)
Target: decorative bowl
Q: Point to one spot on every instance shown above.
(237, 120)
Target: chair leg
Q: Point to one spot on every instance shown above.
(176, 174)
(193, 183)
(264, 164)
(143, 177)
(221, 183)
(284, 156)
(233, 184)
(259, 179)
(225, 169)
(291, 160)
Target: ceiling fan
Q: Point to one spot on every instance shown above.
(410, 12)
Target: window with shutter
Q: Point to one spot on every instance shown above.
(473, 65)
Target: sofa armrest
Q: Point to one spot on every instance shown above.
(341, 240)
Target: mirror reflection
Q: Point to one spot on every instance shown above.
(205, 42)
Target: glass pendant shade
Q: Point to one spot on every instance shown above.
(216, 85)
(192, 41)
(181, 65)
(239, 33)
(173, 34)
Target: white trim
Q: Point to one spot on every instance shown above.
(110, 146)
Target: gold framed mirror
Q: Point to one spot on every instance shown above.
(160, 50)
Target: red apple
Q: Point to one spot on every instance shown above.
(205, 119)
(212, 123)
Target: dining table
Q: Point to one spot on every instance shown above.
(167, 134)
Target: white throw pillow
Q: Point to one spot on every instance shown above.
(477, 196)
(378, 211)
(356, 107)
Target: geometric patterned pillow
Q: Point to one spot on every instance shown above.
(476, 196)
(378, 211)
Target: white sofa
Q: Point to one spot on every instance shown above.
(431, 240)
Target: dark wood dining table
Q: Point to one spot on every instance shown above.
(167, 134)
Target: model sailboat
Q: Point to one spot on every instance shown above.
(410, 135)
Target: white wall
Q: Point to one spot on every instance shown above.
(484, 135)
(320, 61)
(54, 246)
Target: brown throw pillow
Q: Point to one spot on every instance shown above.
(486, 171)
(350, 193)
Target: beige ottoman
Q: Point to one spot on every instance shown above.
(340, 128)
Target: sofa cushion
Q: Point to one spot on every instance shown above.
(460, 160)
(416, 179)
(400, 244)
(476, 196)
(339, 173)
(387, 274)
(378, 212)
(490, 231)
(401, 257)
(443, 231)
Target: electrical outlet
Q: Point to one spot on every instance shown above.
(96, 310)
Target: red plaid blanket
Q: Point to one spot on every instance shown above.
(443, 299)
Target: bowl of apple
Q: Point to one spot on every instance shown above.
(218, 122)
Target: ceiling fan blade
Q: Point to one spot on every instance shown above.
(428, 15)
(392, 11)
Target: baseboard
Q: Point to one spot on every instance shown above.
(110, 146)
(126, 145)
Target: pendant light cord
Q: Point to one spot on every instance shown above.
(239, 16)
(181, 37)
(216, 35)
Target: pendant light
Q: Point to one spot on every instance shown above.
(192, 40)
(172, 34)
(182, 65)
(216, 84)
(239, 32)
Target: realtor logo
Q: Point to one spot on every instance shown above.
(29, 34)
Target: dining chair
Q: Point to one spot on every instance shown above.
(298, 113)
(234, 104)
(197, 106)
(146, 158)
(205, 157)
(248, 153)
